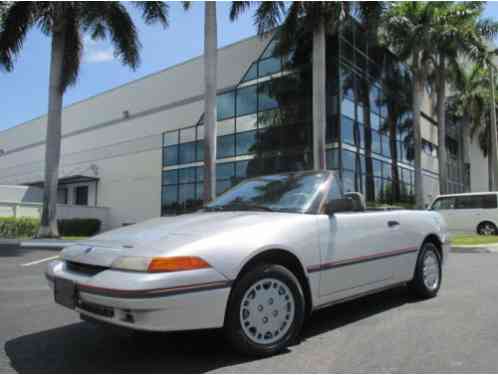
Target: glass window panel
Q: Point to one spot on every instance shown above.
(387, 170)
(171, 155)
(187, 135)
(252, 73)
(332, 159)
(269, 118)
(269, 50)
(200, 150)
(360, 114)
(269, 66)
(241, 168)
(489, 201)
(245, 142)
(374, 121)
(186, 175)
(347, 131)
(187, 153)
(169, 195)
(376, 143)
(186, 196)
(226, 127)
(199, 192)
(200, 173)
(226, 146)
(225, 105)
(225, 171)
(377, 167)
(348, 181)
(266, 96)
(348, 160)
(247, 123)
(386, 148)
(170, 138)
(170, 177)
(222, 186)
(247, 100)
(348, 108)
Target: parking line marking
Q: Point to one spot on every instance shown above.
(39, 261)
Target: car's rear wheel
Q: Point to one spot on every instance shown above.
(428, 274)
(486, 228)
(266, 310)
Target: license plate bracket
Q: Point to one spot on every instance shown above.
(65, 293)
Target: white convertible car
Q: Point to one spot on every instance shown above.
(257, 261)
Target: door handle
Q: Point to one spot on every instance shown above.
(392, 223)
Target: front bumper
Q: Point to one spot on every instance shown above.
(153, 302)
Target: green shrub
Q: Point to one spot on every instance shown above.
(79, 227)
(23, 227)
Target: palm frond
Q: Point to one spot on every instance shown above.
(123, 33)
(72, 49)
(268, 15)
(17, 19)
(237, 8)
(154, 11)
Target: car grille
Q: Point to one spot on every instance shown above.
(93, 308)
(86, 269)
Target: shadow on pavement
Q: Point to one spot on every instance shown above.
(87, 348)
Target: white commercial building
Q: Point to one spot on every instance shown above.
(136, 150)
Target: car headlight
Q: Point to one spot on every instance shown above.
(159, 264)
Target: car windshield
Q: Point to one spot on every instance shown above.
(281, 193)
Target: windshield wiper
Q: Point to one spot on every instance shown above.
(239, 207)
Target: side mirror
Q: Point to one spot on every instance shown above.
(339, 205)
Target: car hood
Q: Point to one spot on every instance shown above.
(168, 235)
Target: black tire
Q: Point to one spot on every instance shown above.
(233, 324)
(486, 228)
(418, 285)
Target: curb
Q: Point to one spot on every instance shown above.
(473, 250)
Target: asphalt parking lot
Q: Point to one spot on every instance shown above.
(388, 332)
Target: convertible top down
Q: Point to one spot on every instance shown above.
(255, 261)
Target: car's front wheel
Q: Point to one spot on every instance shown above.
(266, 310)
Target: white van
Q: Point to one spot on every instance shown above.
(470, 212)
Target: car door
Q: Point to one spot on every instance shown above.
(467, 212)
(358, 251)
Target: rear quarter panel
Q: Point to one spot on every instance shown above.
(416, 227)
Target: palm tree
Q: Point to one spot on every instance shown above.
(320, 19)
(65, 22)
(456, 32)
(469, 101)
(409, 31)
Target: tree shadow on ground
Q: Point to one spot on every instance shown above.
(88, 348)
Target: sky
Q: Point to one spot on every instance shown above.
(24, 91)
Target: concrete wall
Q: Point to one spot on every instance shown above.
(479, 175)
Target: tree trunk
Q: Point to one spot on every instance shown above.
(393, 146)
(210, 81)
(493, 135)
(319, 97)
(367, 132)
(48, 226)
(466, 144)
(441, 123)
(418, 89)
